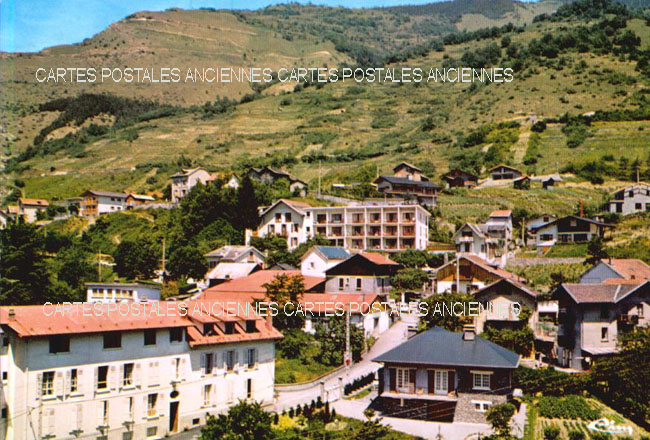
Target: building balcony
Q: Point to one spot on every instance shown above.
(466, 239)
(546, 331)
(408, 233)
(421, 394)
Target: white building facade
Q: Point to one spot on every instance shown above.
(150, 378)
(119, 292)
(184, 181)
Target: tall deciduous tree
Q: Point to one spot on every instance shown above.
(23, 275)
(286, 290)
(244, 421)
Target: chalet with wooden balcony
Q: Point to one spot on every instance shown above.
(591, 317)
(365, 272)
(630, 200)
(445, 376)
(569, 229)
(467, 274)
(505, 172)
(460, 179)
(408, 182)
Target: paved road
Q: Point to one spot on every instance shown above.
(386, 341)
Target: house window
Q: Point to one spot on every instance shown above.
(59, 344)
(104, 420)
(102, 377)
(250, 326)
(249, 388)
(639, 310)
(74, 380)
(481, 406)
(150, 337)
(176, 334)
(230, 328)
(481, 381)
(152, 432)
(47, 383)
(341, 283)
(251, 354)
(209, 363)
(604, 334)
(278, 217)
(207, 392)
(127, 375)
(152, 402)
(441, 381)
(358, 283)
(638, 206)
(287, 217)
(403, 380)
(230, 360)
(112, 340)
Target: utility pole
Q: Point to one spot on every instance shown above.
(348, 355)
(99, 266)
(162, 273)
(457, 273)
(319, 176)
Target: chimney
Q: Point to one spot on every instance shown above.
(12, 314)
(269, 320)
(469, 332)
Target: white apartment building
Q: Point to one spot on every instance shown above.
(143, 376)
(369, 225)
(184, 181)
(119, 292)
(379, 226)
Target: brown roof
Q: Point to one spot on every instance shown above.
(600, 293)
(378, 258)
(521, 286)
(36, 202)
(493, 269)
(254, 283)
(630, 268)
(34, 321)
(501, 213)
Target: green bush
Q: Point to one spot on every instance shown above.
(552, 432)
(576, 435)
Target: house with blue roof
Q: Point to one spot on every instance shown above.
(445, 376)
(319, 259)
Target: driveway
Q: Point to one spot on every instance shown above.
(386, 341)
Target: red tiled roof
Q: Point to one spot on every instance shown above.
(377, 258)
(631, 268)
(34, 321)
(37, 202)
(495, 270)
(254, 283)
(501, 213)
(329, 301)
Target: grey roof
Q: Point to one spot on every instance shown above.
(225, 271)
(106, 194)
(402, 180)
(333, 252)
(441, 347)
(602, 293)
(231, 252)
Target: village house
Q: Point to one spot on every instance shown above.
(268, 175)
(29, 209)
(235, 254)
(630, 200)
(185, 180)
(616, 270)
(468, 273)
(94, 203)
(365, 272)
(131, 376)
(320, 258)
(288, 219)
(591, 317)
(122, 292)
(569, 229)
(460, 179)
(506, 298)
(444, 376)
(488, 240)
(505, 172)
(135, 200)
(223, 272)
(408, 182)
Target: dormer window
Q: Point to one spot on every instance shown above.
(230, 328)
(208, 329)
(250, 326)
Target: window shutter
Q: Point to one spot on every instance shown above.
(68, 382)
(184, 367)
(39, 385)
(222, 361)
(58, 384)
(451, 381)
(412, 373)
(256, 358)
(96, 378)
(145, 406)
(120, 376)
(203, 364)
(78, 415)
(215, 363)
(113, 377)
(160, 405)
(236, 359)
(50, 420)
(100, 412)
(392, 373)
(493, 380)
(80, 381)
(137, 375)
(431, 381)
